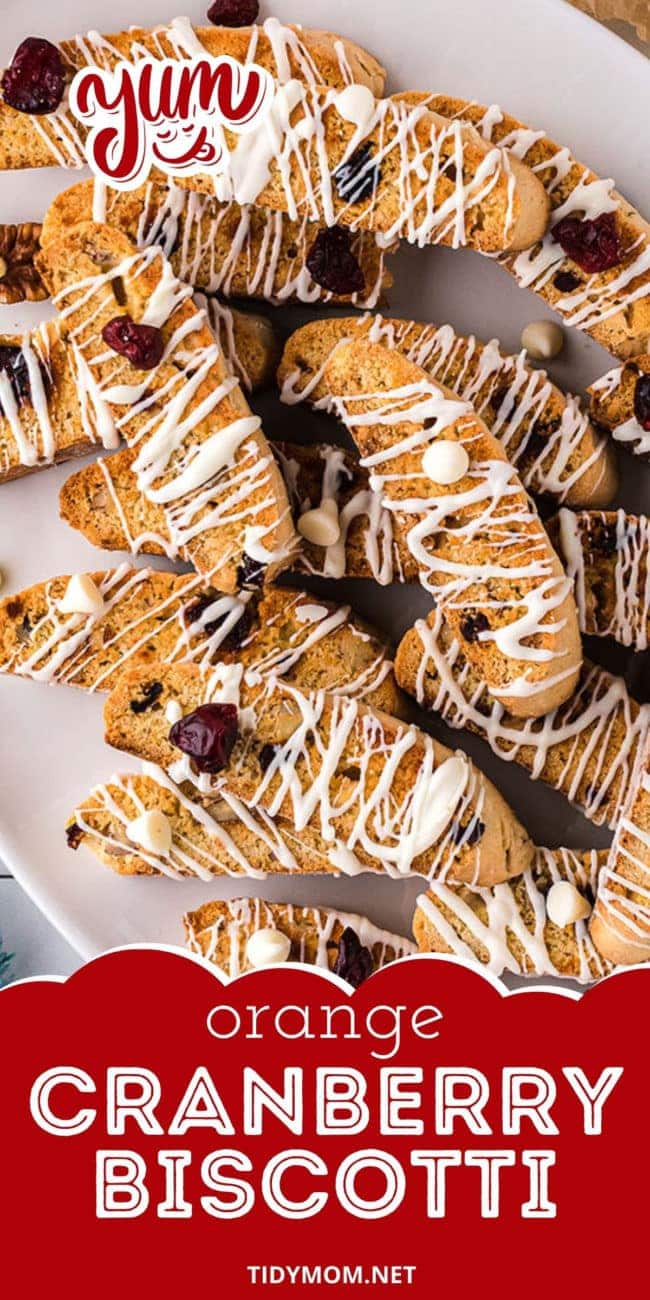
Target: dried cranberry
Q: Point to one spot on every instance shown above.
(470, 834)
(233, 13)
(472, 626)
(35, 79)
(606, 538)
(250, 572)
(208, 735)
(266, 755)
(566, 282)
(594, 245)
(642, 401)
(332, 264)
(236, 636)
(73, 835)
(14, 365)
(149, 696)
(353, 962)
(142, 345)
(356, 179)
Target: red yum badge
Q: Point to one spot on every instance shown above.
(166, 113)
(162, 1130)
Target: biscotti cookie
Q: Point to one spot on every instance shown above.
(620, 401)
(607, 554)
(20, 279)
(593, 264)
(545, 435)
(147, 826)
(509, 929)
(384, 796)
(332, 500)
(383, 165)
(151, 360)
(620, 925)
(53, 135)
(479, 545)
(240, 252)
(588, 748)
(245, 933)
(83, 630)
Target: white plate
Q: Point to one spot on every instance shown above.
(551, 67)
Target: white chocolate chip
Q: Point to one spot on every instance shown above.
(81, 596)
(445, 461)
(267, 947)
(565, 904)
(173, 711)
(543, 339)
(321, 526)
(152, 832)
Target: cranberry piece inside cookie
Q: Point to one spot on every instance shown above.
(642, 401)
(332, 264)
(142, 345)
(357, 178)
(353, 963)
(14, 365)
(233, 13)
(593, 245)
(35, 79)
(207, 735)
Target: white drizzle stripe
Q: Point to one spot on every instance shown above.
(614, 576)
(237, 919)
(623, 903)
(507, 927)
(517, 402)
(629, 432)
(570, 748)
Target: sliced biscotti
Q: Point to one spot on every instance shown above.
(145, 825)
(588, 748)
(593, 264)
(508, 928)
(607, 554)
(244, 933)
(240, 252)
(366, 543)
(620, 402)
(83, 630)
(318, 58)
(384, 796)
(201, 453)
(479, 545)
(382, 165)
(545, 434)
(620, 925)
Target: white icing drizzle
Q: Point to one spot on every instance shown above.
(239, 918)
(570, 748)
(625, 583)
(207, 483)
(29, 438)
(517, 402)
(488, 502)
(623, 904)
(506, 906)
(371, 822)
(630, 432)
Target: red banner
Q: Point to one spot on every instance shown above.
(162, 1129)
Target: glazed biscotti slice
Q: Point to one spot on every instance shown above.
(588, 748)
(607, 554)
(545, 434)
(48, 411)
(593, 264)
(202, 454)
(85, 629)
(146, 825)
(508, 928)
(620, 402)
(620, 925)
(245, 933)
(240, 252)
(349, 159)
(384, 796)
(318, 58)
(480, 547)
